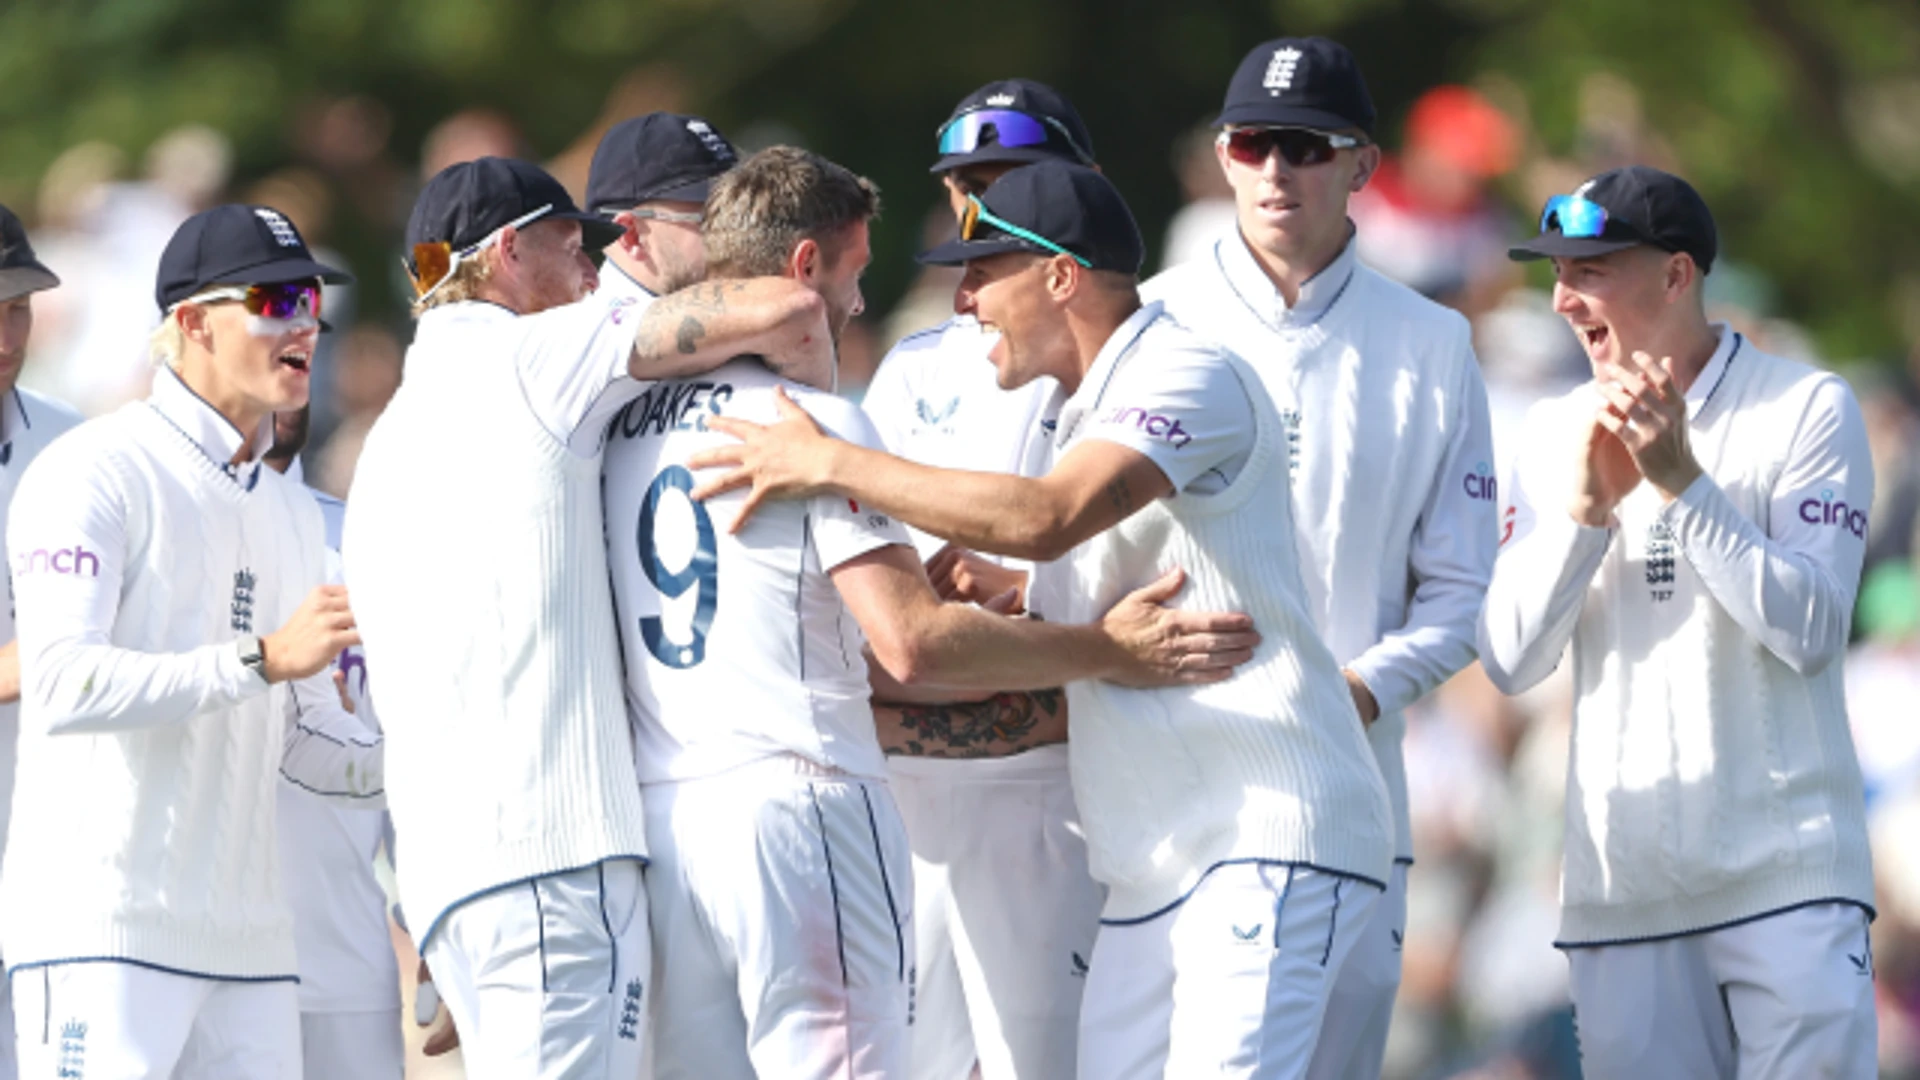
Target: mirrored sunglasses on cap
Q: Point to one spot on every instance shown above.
(1574, 216)
(962, 134)
(278, 300)
(433, 263)
(1299, 147)
(976, 212)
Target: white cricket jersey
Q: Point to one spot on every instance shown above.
(936, 399)
(1270, 765)
(28, 422)
(326, 860)
(481, 593)
(1390, 451)
(737, 647)
(1712, 776)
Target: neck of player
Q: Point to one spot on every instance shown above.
(202, 375)
(1092, 323)
(1690, 342)
(1290, 263)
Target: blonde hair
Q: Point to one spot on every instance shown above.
(763, 207)
(168, 343)
(464, 283)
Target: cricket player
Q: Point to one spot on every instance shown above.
(650, 176)
(1389, 440)
(28, 422)
(349, 979)
(1692, 522)
(141, 912)
(779, 888)
(490, 632)
(1242, 828)
(1004, 910)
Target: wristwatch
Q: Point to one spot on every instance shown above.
(253, 655)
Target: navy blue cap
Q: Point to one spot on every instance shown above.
(656, 156)
(1644, 206)
(464, 203)
(20, 271)
(1306, 82)
(1071, 205)
(1067, 138)
(236, 244)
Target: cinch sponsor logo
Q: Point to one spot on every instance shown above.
(1825, 511)
(1481, 485)
(671, 407)
(75, 560)
(1160, 427)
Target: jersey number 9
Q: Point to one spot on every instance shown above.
(702, 570)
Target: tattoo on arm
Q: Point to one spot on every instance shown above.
(679, 320)
(1000, 726)
(1120, 495)
(687, 339)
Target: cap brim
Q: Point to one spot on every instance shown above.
(596, 232)
(18, 281)
(1005, 155)
(955, 252)
(1556, 246)
(694, 191)
(1265, 115)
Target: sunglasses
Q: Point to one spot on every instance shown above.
(281, 300)
(433, 263)
(1574, 216)
(962, 134)
(1298, 146)
(976, 212)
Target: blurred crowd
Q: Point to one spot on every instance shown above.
(1484, 992)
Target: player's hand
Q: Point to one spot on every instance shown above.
(311, 640)
(1605, 473)
(789, 459)
(1647, 413)
(340, 687)
(10, 672)
(1363, 699)
(959, 574)
(810, 358)
(446, 1037)
(1164, 647)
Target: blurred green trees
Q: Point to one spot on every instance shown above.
(1798, 119)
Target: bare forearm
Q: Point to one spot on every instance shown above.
(703, 326)
(965, 648)
(991, 512)
(1005, 724)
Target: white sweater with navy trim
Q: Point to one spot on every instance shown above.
(149, 755)
(1712, 777)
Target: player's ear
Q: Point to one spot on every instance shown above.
(1064, 277)
(1367, 162)
(803, 263)
(629, 241)
(194, 325)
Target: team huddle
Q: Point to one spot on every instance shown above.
(1039, 717)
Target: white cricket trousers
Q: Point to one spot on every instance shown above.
(781, 911)
(353, 1045)
(548, 979)
(1005, 911)
(1231, 982)
(1783, 997)
(114, 1020)
(1353, 1034)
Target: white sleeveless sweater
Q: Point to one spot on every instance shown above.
(1273, 764)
